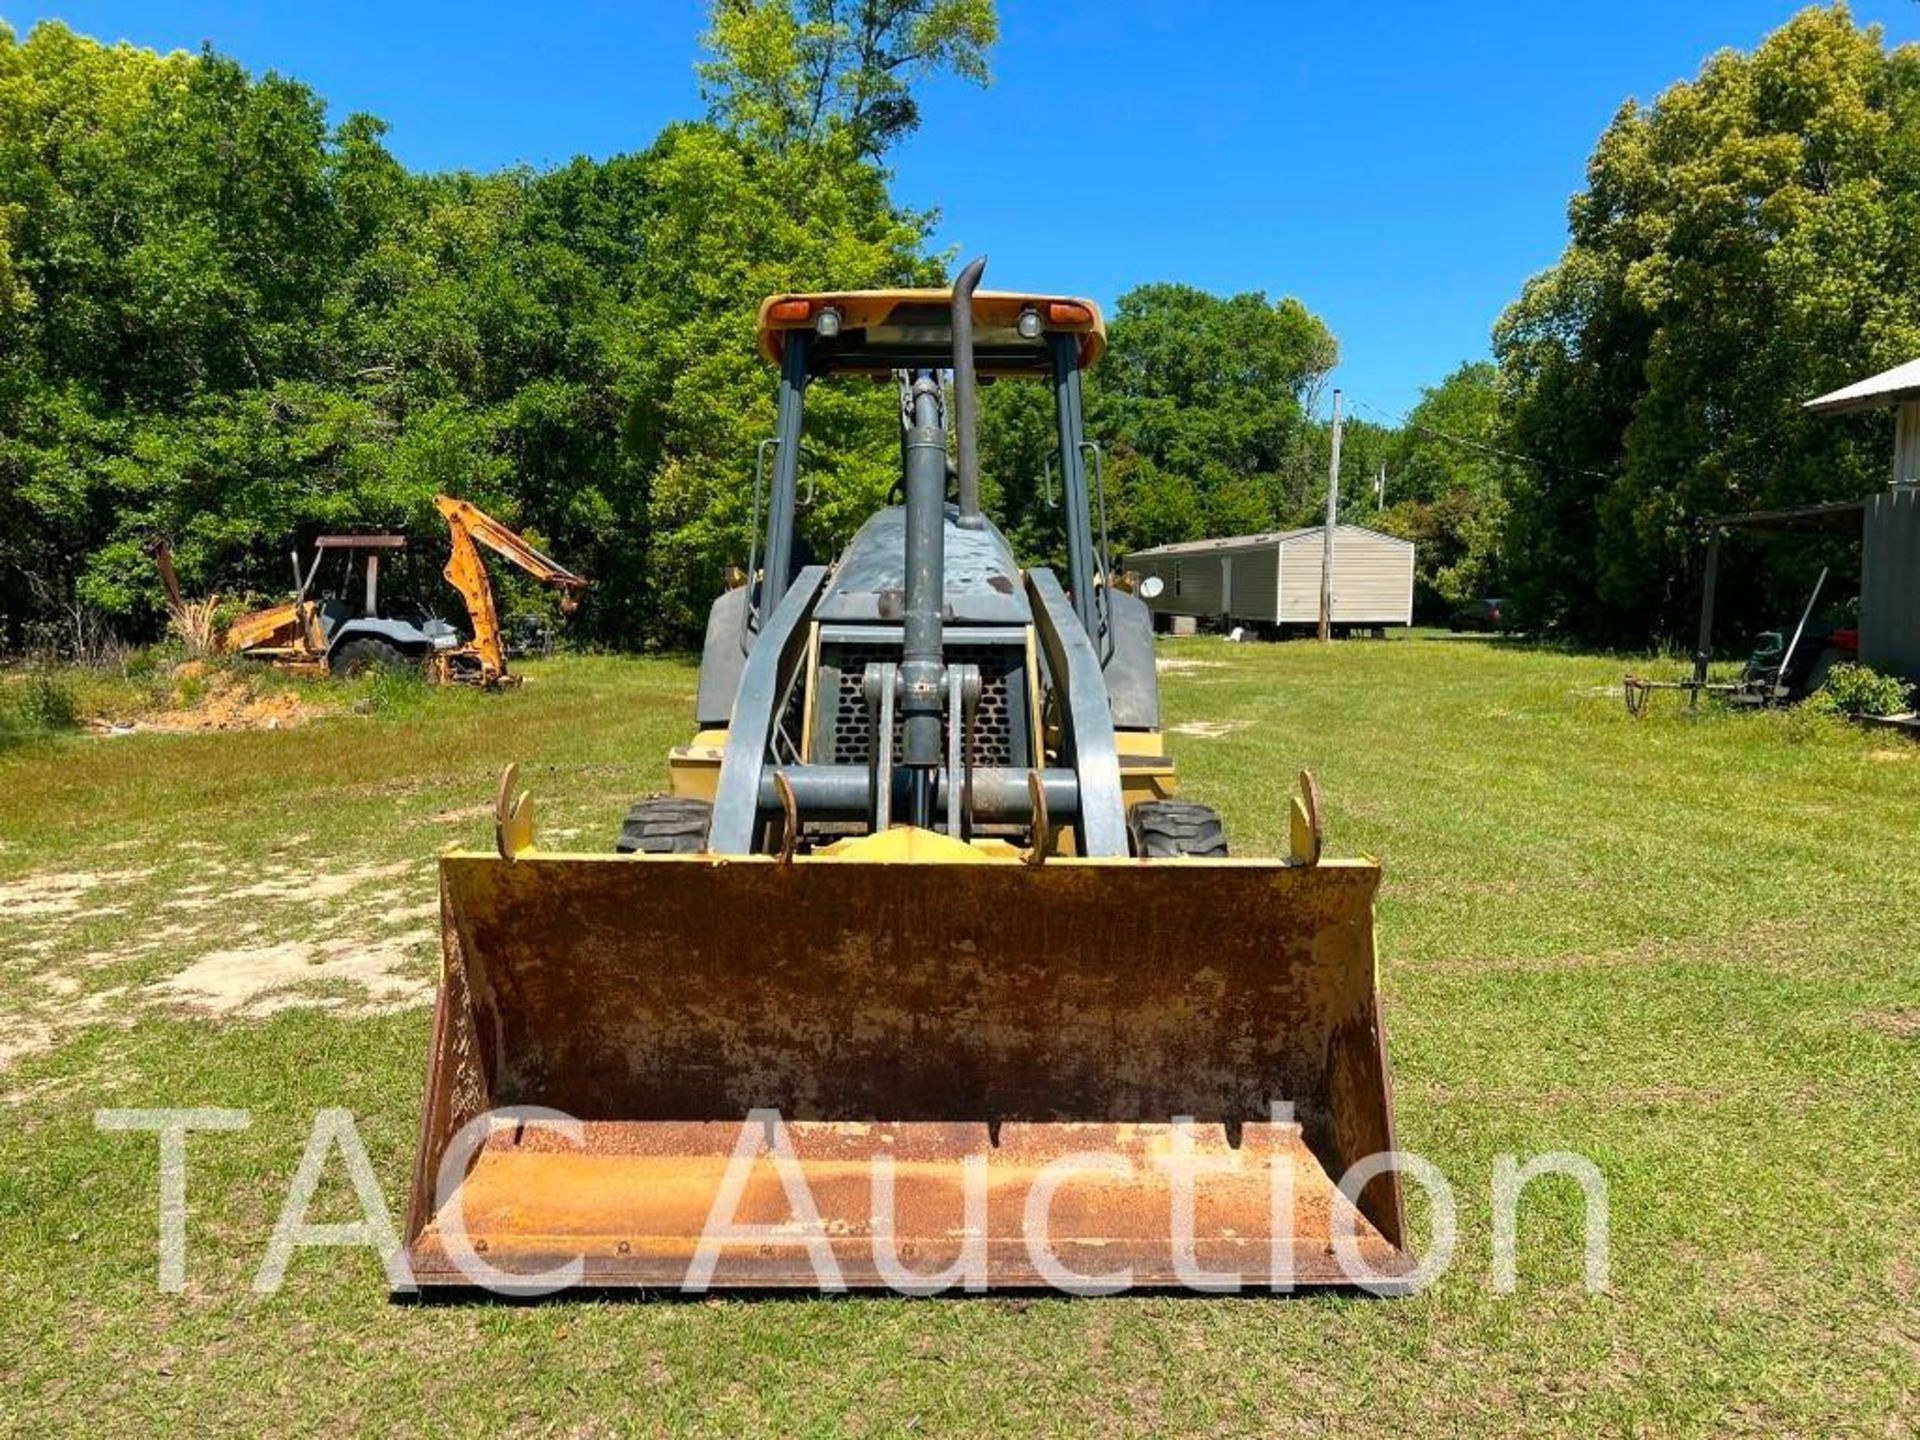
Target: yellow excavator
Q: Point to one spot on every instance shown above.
(923, 976)
(335, 623)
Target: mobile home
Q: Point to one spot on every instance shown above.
(1272, 581)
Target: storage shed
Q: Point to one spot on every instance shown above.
(1890, 533)
(1273, 580)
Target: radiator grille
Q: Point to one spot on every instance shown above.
(1000, 723)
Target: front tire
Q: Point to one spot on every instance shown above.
(665, 825)
(1169, 829)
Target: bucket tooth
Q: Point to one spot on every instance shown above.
(512, 816)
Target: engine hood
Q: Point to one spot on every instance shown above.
(868, 585)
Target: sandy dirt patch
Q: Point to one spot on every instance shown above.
(1902, 1022)
(1207, 729)
(40, 1032)
(414, 914)
(226, 700)
(189, 897)
(57, 892)
(1174, 664)
(235, 963)
(151, 940)
(305, 885)
(247, 982)
(462, 815)
(22, 1038)
(269, 978)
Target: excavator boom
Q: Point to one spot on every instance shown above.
(468, 528)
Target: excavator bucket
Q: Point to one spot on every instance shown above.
(942, 1071)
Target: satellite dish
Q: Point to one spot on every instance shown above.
(1151, 587)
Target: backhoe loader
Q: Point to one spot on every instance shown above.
(921, 976)
(336, 624)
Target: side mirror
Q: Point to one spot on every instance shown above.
(1152, 587)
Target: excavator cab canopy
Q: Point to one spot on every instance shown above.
(877, 332)
(361, 542)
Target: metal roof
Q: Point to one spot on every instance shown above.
(1889, 387)
(1254, 542)
(361, 542)
(1833, 515)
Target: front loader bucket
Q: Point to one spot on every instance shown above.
(968, 1073)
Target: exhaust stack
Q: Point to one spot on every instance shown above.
(923, 670)
(966, 406)
(923, 673)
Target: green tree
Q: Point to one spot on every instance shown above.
(788, 72)
(1747, 241)
(1448, 486)
(225, 319)
(173, 225)
(726, 224)
(1201, 405)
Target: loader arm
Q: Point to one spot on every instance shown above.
(469, 527)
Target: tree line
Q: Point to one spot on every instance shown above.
(1748, 241)
(231, 320)
(228, 320)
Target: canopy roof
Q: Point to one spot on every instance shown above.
(1254, 542)
(1889, 387)
(361, 542)
(885, 330)
(1841, 515)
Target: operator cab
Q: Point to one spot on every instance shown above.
(878, 686)
(350, 585)
(905, 335)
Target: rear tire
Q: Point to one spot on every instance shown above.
(665, 825)
(358, 657)
(1167, 829)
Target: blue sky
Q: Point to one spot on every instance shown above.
(1400, 167)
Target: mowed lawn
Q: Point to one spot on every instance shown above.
(1686, 947)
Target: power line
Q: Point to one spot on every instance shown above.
(1481, 446)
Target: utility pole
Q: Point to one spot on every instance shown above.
(1333, 516)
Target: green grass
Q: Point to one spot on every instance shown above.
(1688, 947)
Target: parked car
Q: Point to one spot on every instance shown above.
(1487, 615)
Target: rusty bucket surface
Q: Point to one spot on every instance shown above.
(852, 1071)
